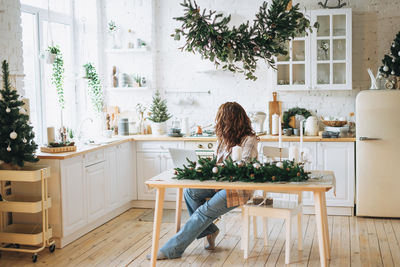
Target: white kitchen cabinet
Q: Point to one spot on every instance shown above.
(331, 49)
(73, 191)
(321, 60)
(149, 164)
(152, 159)
(120, 175)
(95, 176)
(293, 69)
(127, 186)
(339, 158)
(113, 195)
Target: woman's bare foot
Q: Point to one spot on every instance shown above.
(211, 240)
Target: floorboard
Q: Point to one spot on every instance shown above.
(126, 240)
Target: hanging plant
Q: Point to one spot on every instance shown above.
(293, 112)
(95, 92)
(239, 48)
(57, 78)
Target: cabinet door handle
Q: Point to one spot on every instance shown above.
(364, 138)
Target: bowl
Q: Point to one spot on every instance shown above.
(333, 123)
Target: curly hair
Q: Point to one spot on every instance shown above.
(232, 125)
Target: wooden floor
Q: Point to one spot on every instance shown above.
(126, 240)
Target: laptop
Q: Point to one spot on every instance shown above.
(179, 156)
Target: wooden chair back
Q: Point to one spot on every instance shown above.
(275, 152)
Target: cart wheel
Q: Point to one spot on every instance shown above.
(52, 248)
(34, 257)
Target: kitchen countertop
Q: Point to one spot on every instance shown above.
(122, 139)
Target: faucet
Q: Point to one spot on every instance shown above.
(80, 132)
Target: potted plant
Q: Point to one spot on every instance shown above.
(158, 115)
(94, 85)
(57, 78)
(51, 54)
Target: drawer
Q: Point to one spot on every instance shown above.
(206, 146)
(157, 145)
(94, 157)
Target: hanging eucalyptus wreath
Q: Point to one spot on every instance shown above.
(238, 48)
(253, 171)
(293, 112)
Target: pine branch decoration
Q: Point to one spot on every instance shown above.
(252, 171)
(238, 49)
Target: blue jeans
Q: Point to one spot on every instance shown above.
(200, 224)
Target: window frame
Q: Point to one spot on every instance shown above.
(41, 16)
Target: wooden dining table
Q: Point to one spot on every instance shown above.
(319, 183)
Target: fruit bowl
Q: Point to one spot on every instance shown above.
(333, 123)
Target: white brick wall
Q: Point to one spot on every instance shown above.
(10, 41)
(375, 23)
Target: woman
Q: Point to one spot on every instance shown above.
(233, 127)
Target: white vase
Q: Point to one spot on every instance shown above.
(311, 126)
(50, 57)
(158, 128)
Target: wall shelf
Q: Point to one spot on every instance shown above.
(127, 89)
(127, 50)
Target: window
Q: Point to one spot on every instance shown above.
(41, 28)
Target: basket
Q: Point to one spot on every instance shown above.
(334, 123)
(58, 149)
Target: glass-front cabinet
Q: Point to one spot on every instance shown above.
(292, 71)
(331, 50)
(321, 60)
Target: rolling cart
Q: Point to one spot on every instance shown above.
(36, 235)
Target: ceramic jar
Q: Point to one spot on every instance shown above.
(311, 126)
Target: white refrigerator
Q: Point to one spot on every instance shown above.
(378, 153)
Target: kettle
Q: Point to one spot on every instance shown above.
(311, 127)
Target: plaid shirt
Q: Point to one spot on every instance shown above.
(236, 198)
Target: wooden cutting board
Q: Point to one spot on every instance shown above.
(275, 107)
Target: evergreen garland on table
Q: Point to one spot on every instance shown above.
(159, 109)
(238, 48)
(16, 135)
(252, 171)
(391, 63)
(58, 74)
(293, 112)
(95, 92)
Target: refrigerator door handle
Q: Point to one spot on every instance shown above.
(363, 138)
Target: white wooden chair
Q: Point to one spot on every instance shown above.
(285, 209)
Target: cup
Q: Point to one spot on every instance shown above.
(287, 131)
(296, 132)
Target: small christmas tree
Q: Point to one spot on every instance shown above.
(391, 63)
(159, 110)
(16, 135)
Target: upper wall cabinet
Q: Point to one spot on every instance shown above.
(321, 60)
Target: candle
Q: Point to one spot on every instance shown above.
(237, 153)
(274, 124)
(50, 135)
(280, 132)
(293, 153)
(301, 136)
